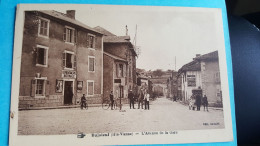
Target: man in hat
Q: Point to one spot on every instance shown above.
(131, 99)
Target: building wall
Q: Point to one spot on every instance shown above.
(54, 69)
(108, 76)
(210, 86)
(187, 90)
(122, 50)
(83, 53)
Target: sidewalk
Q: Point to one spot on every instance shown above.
(59, 107)
(186, 104)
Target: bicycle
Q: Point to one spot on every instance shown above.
(107, 103)
(84, 106)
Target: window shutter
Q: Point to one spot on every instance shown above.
(36, 55)
(75, 36)
(75, 61)
(87, 40)
(64, 60)
(33, 85)
(117, 70)
(45, 57)
(64, 34)
(124, 70)
(95, 42)
(47, 88)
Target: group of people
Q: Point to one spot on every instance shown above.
(143, 98)
(197, 100)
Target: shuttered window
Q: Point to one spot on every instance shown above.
(69, 60)
(90, 87)
(42, 56)
(91, 63)
(91, 41)
(43, 29)
(69, 35)
(40, 87)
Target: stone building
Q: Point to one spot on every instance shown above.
(202, 74)
(61, 59)
(119, 64)
(172, 87)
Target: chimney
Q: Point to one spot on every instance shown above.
(197, 55)
(126, 31)
(71, 14)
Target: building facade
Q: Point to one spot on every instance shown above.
(119, 65)
(61, 60)
(202, 73)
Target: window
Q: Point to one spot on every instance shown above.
(91, 41)
(120, 70)
(40, 87)
(42, 56)
(90, 87)
(91, 63)
(43, 29)
(217, 77)
(69, 35)
(191, 80)
(69, 60)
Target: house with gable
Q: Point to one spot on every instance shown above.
(201, 74)
(119, 64)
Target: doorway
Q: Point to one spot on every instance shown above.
(68, 92)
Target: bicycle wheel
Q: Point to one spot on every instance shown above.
(105, 105)
(86, 106)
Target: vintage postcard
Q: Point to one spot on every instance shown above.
(112, 75)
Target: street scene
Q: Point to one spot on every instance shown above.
(164, 115)
(83, 71)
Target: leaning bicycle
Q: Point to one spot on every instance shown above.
(106, 104)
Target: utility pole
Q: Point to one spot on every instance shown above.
(175, 63)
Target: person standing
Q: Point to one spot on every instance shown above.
(111, 99)
(205, 102)
(198, 101)
(131, 99)
(140, 98)
(147, 98)
(83, 101)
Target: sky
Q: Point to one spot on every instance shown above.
(163, 33)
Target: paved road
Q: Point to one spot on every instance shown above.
(163, 115)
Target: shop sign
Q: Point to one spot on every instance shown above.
(68, 74)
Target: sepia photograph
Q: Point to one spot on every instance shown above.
(112, 71)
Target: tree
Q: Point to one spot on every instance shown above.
(158, 73)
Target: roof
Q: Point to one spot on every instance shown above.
(64, 17)
(209, 56)
(117, 39)
(115, 57)
(195, 64)
(191, 66)
(104, 31)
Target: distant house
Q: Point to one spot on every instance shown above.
(202, 74)
(61, 59)
(119, 64)
(172, 85)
